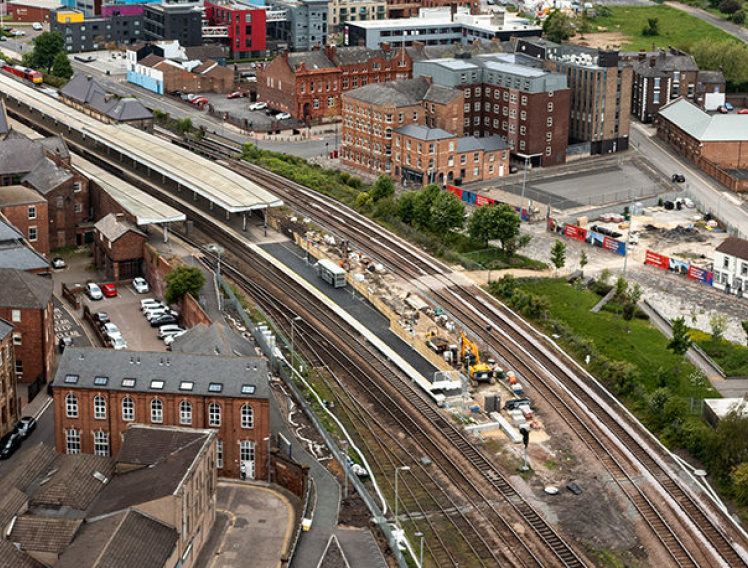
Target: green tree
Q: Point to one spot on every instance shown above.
(422, 203)
(738, 17)
(628, 312)
(730, 6)
(558, 26)
(635, 294)
(494, 222)
(583, 261)
(728, 448)
(681, 341)
(718, 323)
(605, 275)
(184, 125)
(744, 325)
(558, 255)
(740, 482)
(730, 56)
(61, 66)
(46, 47)
(621, 287)
(383, 188)
(652, 28)
(405, 207)
(183, 280)
(447, 213)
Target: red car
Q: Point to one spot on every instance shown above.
(108, 290)
(236, 95)
(199, 101)
(743, 111)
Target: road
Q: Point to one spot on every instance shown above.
(709, 195)
(735, 30)
(45, 432)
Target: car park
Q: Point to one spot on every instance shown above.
(258, 106)
(58, 262)
(111, 330)
(166, 330)
(169, 339)
(18, 33)
(26, 426)
(140, 285)
(283, 116)
(100, 318)
(9, 444)
(236, 95)
(93, 291)
(150, 303)
(165, 319)
(108, 290)
(117, 343)
(156, 312)
(678, 178)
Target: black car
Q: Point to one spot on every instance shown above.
(26, 426)
(9, 444)
(100, 318)
(678, 178)
(65, 342)
(515, 403)
(165, 319)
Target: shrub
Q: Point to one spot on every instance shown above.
(730, 6)
(739, 17)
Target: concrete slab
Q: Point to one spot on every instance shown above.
(360, 548)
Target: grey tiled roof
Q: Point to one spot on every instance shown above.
(19, 155)
(5, 328)
(441, 95)
(56, 145)
(71, 481)
(23, 290)
(3, 120)
(311, 60)
(232, 374)
(46, 176)
(113, 228)
(487, 144)
(8, 232)
(711, 77)
(81, 88)
(22, 257)
(203, 52)
(129, 539)
(19, 195)
(214, 339)
(44, 534)
(11, 502)
(129, 109)
(400, 93)
(424, 133)
(27, 467)
(11, 557)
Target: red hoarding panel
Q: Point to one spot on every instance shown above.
(657, 260)
(481, 200)
(574, 232)
(456, 190)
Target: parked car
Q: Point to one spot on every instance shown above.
(283, 116)
(169, 339)
(236, 95)
(197, 101)
(117, 343)
(729, 107)
(9, 444)
(108, 290)
(743, 111)
(64, 342)
(512, 404)
(722, 109)
(165, 319)
(110, 330)
(26, 426)
(140, 285)
(247, 74)
(58, 262)
(188, 96)
(3, 38)
(37, 26)
(93, 291)
(258, 106)
(678, 178)
(155, 311)
(150, 303)
(17, 33)
(166, 330)
(100, 318)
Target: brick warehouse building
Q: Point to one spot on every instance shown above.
(118, 247)
(99, 392)
(9, 403)
(244, 25)
(28, 212)
(26, 302)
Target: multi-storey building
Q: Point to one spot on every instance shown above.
(309, 84)
(409, 8)
(439, 26)
(98, 393)
(9, 404)
(372, 113)
(424, 155)
(183, 23)
(599, 86)
(26, 302)
(28, 212)
(88, 34)
(302, 25)
(341, 11)
(244, 28)
(526, 106)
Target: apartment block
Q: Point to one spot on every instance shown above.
(302, 25)
(238, 26)
(341, 11)
(183, 23)
(93, 33)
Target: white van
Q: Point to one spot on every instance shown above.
(37, 26)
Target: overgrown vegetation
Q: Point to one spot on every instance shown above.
(183, 280)
(732, 358)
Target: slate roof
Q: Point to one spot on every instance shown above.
(203, 52)
(310, 59)
(81, 88)
(11, 502)
(19, 155)
(711, 77)
(129, 109)
(113, 227)
(22, 257)
(125, 540)
(85, 90)
(8, 232)
(705, 127)
(734, 246)
(165, 456)
(151, 60)
(27, 467)
(3, 120)
(238, 377)
(56, 145)
(441, 95)
(5, 328)
(664, 63)
(11, 195)
(23, 290)
(487, 144)
(214, 339)
(424, 133)
(73, 481)
(11, 557)
(398, 94)
(359, 54)
(46, 176)
(44, 534)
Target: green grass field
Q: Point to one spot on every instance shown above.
(676, 27)
(644, 346)
(731, 357)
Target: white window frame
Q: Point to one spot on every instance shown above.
(157, 411)
(128, 409)
(185, 413)
(247, 416)
(73, 441)
(214, 414)
(219, 454)
(99, 404)
(101, 443)
(71, 406)
(247, 455)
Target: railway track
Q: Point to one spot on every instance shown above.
(589, 398)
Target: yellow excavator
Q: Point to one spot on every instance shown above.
(471, 359)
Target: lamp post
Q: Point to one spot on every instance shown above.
(344, 443)
(293, 351)
(268, 440)
(488, 337)
(420, 556)
(218, 250)
(524, 180)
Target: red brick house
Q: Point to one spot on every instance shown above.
(28, 212)
(26, 302)
(98, 393)
(118, 247)
(9, 404)
(309, 84)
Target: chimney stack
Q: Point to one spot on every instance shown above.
(653, 61)
(386, 46)
(642, 55)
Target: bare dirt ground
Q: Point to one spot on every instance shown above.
(602, 40)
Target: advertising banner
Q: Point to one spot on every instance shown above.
(468, 197)
(615, 246)
(481, 200)
(703, 276)
(574, 232)
(658, 260)
(456, 190)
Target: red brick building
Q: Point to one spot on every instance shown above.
(26, 302)
(28, 212)
(98, 393)
(244, 25)
(31, 10)
(309, 84)
(409, 8)
(9, 403)
(118, 247)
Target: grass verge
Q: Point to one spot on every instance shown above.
(731, 357)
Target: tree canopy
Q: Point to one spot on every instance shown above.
(183, 280)
(730, 56)
(558, 26)
(383, 188)
(61, 66)
(681, 341)
(494, 223)
(46, 48)
(558, 254)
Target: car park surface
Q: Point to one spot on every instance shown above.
(140, 285)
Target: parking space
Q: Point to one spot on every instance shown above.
(124, 312)
(239, 109)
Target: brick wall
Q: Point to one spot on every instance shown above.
(69, 205)
(18, 215)
(276, 85)
(9, 403)
(36, 351)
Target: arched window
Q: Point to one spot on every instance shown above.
(248, 416)
(214, 414)
(99, 407)
(157, 410)
(71, 406)
(128, 409)
(185, 413)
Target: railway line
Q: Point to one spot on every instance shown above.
(531, 356)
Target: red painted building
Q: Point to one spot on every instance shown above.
(245, 26)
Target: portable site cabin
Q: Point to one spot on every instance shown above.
(331, 273)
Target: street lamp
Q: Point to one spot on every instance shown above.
(524, 180)
(397, 495)
(268, 440)
(420, 556)
(293, 351)
(218, 250)
(488, 337)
